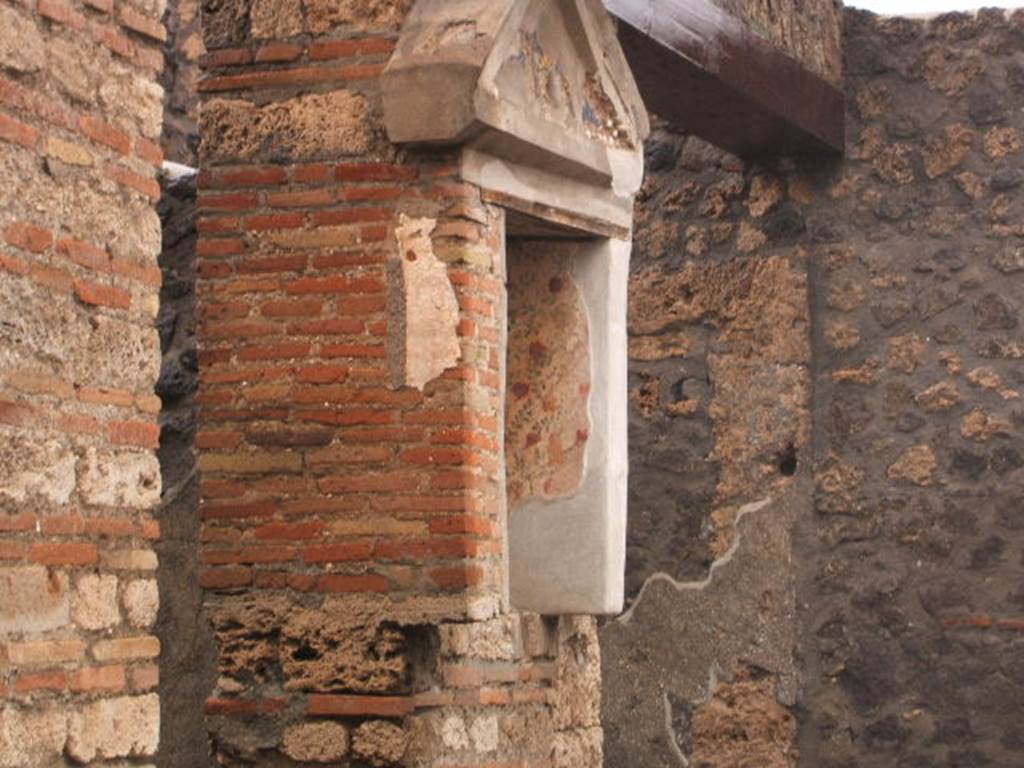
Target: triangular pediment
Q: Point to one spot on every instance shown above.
(560, 65)
(530, 84)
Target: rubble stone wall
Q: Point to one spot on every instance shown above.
(701, 666)
(80, 116)
(833, 351)
(350, 323)
(910, 565)
(810, 32)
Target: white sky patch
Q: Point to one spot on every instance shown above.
(929, 7)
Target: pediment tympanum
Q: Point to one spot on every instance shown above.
(539, 95)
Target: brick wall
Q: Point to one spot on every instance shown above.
(352, 531)
(79, 133)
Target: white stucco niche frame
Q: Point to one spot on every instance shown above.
(541, 103)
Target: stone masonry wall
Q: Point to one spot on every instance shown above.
(79, 237)
(701, 666)
(911, 565)
(833, 350)
(352, 483)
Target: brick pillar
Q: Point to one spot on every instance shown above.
(352, 341)
(319, 475)
(346, 512)
(79, 124)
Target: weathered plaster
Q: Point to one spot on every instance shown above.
(426, 324)
(568, 556)
(740, 616)
(547, 419)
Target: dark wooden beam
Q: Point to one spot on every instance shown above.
(710, 74)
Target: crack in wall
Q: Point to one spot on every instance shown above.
(681, 586)
(673, 745)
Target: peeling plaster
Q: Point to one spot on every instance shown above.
(430, 311)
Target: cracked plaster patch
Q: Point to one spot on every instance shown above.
(704, 583)
(731, 621)
(430, 343)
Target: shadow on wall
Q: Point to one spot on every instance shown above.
(187, 661)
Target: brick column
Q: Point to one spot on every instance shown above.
(80, 119)
(352, 342)
(345, 514)
(319, 475)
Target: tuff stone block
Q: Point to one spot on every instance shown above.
(766, 729)
(275, 19)
(497, 640)
(374, 15)
(73, 67)
(23, 50)
(95, 602)
(328, 125)
(225, 23)
(126, 726)
(323, 742)
(32, 737)
(144, 115)
(379, 743)
(141, 601)
(35, 599)
(120, 479)
(36, 470)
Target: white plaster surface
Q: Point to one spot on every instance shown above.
(569, 556)
(557, 190)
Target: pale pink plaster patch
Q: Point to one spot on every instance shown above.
(547, 413)
(431, 344)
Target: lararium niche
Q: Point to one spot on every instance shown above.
(539, 99)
